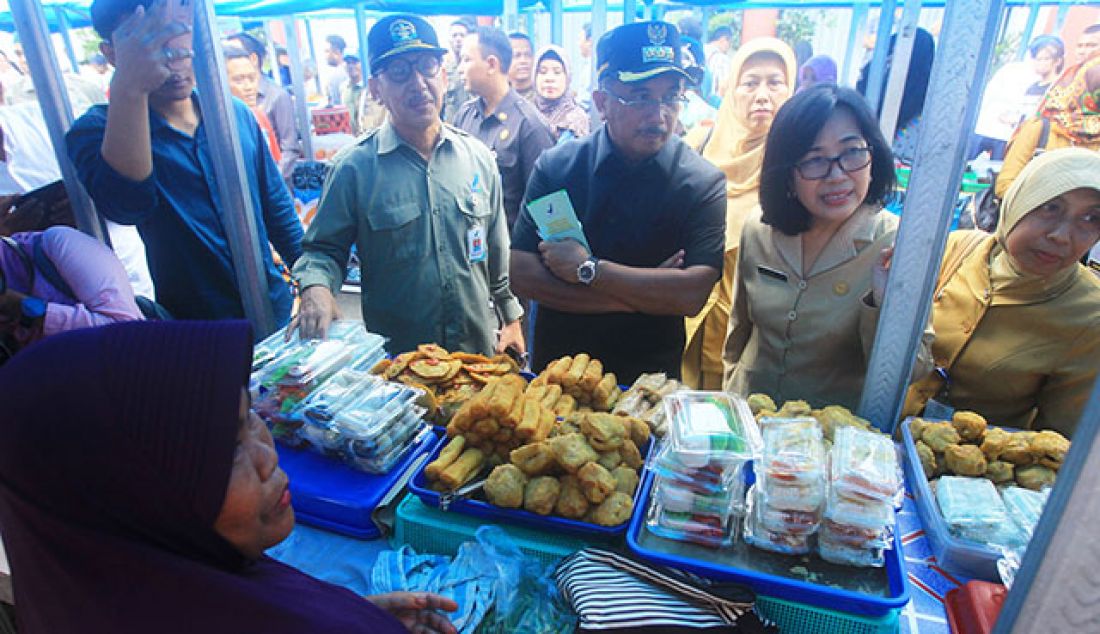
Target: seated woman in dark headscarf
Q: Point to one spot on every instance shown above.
(553, 97)
(138, 493)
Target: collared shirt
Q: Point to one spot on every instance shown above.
(430, 236)
(805, 336)
(279, 107)
(176, 210)
(456, 88)
(529, 94)
(517, 134)
(351, 96)
(636, 215)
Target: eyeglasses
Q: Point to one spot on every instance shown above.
(400, 70)
(849, 160)
(669, 102)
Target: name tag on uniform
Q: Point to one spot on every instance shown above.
(772, 273)
(475, 245)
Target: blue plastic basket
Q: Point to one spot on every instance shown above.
(799, 618)
(959, 556)
(783, 588)
(328, 494)
(477, 508)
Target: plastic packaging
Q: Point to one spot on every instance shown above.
(839, 552)
(677, 498)
(758, 535)
(710, 479)
(792, 471)
(1024, 506)
(864, 464)
(709, 530)
(710, 428)
(787, 521)
(859, 512)
(970, 506)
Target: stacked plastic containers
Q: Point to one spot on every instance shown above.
(361, 419)
(974, 510)
(785, 503)
(859, 511)
(286, 372)
(1024, 506)
(698, 494)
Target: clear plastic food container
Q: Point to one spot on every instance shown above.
(710, 428)
(864, 464)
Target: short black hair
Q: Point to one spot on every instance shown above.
(250, 44)
(236, 52)
(464, 23)
(337, 42)
(493, 41)
(721, 32)
(1047, 41)
(1092, 28)
(520, 35)
(108, 14)
(792, 135)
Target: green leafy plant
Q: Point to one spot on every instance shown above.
(731, 19)
(795, 26)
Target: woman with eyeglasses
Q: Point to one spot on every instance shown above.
(1017, 316)
(811, 271)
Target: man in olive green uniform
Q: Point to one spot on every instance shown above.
(422, 202)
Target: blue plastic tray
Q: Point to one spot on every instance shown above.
(771, 585)
(959, 556)
(419, 486)
(328, 494)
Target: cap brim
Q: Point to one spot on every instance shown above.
(409, 48)
(628, 77)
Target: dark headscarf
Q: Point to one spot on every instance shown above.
(116, 447)
(563, 113)
(916, 80)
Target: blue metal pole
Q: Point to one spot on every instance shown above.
(859, 18)
(298, 81)
(361, 31)
(876, 79)
(630, 11)
(313, 56)
(237, 215)
(556, 22)
(53, 98)
(1025, 39)
(63, 27)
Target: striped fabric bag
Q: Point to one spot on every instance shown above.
(613, 592)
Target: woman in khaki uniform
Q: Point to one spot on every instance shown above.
(1017, 317)
(761, 80)
(811, 271)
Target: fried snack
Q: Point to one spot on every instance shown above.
(1035, 476)
(939, 435)
(450, 453)
(400, 362)
(485, 428)
(576, 370)
(514, 415)
(632, 457)
(470, 358)
(541, 494)
(639, 431)
(964, 460)
(995, 442)
(571, 501)
(1000, 471)
(532, 417)
(568, 425)
(614, 510)
(505, 486)
(970, 425)
(626, 480)
(592, 376)
(551, 395)
(572, 451)
(535, 459)
(794, 409)
(555, 372)
(465, 467)
(546, 423)
(508, 388)
(759, 402)
(916, 428)
(433, 351)
(606, 393)
(604, 431)
(381, 366)
(833, 417)
(1049, 448)
(503, 435)
(479, 405)
(610, 459)
(927, 459)
(565, 406)
(1018, 449)
(596, 482)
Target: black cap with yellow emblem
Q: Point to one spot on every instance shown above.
(640, 51)
(397, 34)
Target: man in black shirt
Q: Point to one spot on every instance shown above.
(653, 213)
(500, 118)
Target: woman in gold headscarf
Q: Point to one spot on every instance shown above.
(1017, 317)
(761, 79)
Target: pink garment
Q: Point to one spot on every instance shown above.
(96, 277)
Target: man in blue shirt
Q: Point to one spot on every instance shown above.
(145, 160)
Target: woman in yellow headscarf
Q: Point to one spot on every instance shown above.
(761, 79)
(1017, 317)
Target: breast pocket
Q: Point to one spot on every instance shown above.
(398, 229)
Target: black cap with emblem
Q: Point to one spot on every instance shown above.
(397, 34)
(640, 51)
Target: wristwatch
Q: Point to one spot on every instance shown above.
(32, 309)
(586, 272)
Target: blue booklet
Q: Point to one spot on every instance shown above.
(556, 219)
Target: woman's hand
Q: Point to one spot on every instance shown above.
(417, 611)
(879, 274)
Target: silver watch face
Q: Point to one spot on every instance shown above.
(586, 272)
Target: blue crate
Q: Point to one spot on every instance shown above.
(328, 494)
(419, 486)
(801, 592)
(960, 556)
